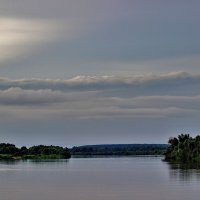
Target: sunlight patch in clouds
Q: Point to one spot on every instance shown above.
(19, 36)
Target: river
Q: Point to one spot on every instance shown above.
(103, 178)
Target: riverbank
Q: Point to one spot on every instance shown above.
(183, 148)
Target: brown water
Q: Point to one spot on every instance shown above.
(119, 178)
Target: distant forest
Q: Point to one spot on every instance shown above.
(120, 149)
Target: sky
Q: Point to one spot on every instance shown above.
(76, 72)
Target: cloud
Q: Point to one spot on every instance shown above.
(18, 96)
(102, 80)
(85, 102)
(176, 83)
(21, 97)
(85, 97)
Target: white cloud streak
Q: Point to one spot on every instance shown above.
(102, 82)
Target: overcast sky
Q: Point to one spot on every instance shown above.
(77, 72)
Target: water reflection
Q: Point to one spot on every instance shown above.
(9, 162)
(34, 165)
(13, 162)
(184, 171)
(117, 178)
(47, 161)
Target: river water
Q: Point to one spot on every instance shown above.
(105, 178)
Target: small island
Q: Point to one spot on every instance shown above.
(183, 149)
(11, 152)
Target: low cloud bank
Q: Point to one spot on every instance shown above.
(173, 81)
(102, 97)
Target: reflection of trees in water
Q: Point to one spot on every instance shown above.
(9, 162)
(184, 172)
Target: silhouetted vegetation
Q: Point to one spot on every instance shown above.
(184, 148)
(8, 148)
(10, 151)
(120, 149)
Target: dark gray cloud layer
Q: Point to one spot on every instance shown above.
(171, 94)
(110, 97)
(178, 83)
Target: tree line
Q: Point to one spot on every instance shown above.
(40, 151)
(183, 148)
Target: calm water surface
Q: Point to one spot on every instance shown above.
(120, 178)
